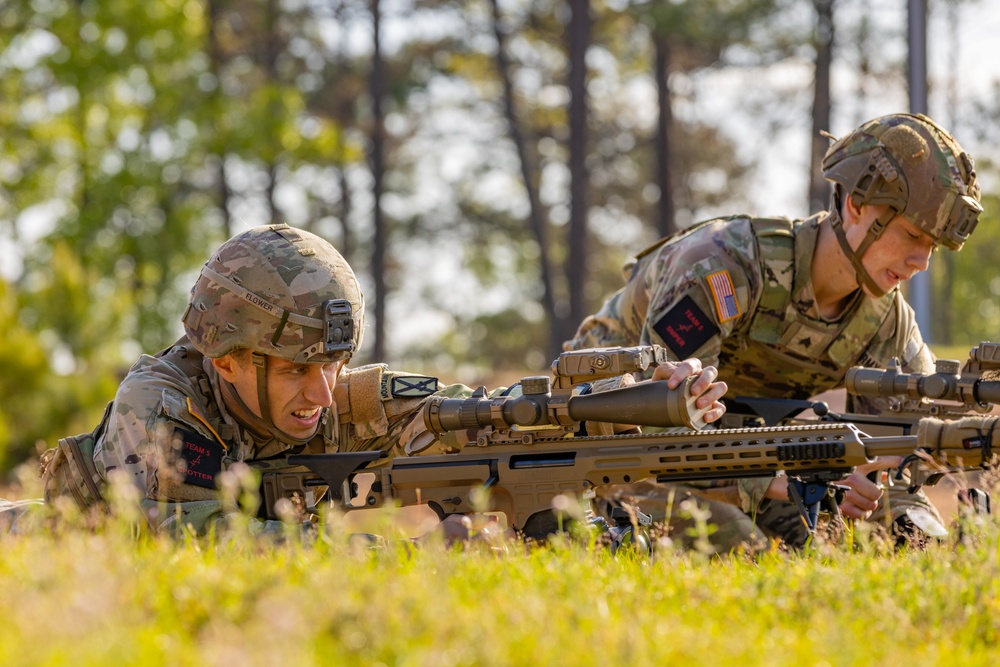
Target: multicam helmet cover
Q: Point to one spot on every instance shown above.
(916, 167)
(277, 291)
(913, 167)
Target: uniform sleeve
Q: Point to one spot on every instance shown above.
(383, 409)
(915, 355)
(687, 295)
(156, 443)
(694, 293)
(156, 438)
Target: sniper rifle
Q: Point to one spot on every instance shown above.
(526, 450)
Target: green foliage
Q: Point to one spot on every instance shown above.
(40, 405)
(117, 123)
(966, 286)
(698, 31)
(25, 372)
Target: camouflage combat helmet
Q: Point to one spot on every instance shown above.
(277, 291)
(916, 168)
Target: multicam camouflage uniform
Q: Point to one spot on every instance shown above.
(170, 433)
(175, 425)
(736, 293)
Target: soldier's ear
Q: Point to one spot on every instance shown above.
(227, 366)
(851, 212)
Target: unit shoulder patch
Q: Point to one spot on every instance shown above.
(201, 457)
(685, 328)
(407, 386)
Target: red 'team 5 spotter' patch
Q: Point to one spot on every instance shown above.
(725, 296)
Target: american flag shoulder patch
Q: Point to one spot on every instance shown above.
(725, 296)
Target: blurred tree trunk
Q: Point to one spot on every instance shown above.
(576, 260)
(343, 111)
(215, 62)
(944, 274)
(536, 213)
(377, 86)
(666, 225)
(271, 49)
(819, 189)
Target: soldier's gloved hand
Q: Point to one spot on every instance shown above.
(862, 497)
(705, 388)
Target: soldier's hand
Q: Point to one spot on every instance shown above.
(707, 390)
(456, 528)
(862, 497)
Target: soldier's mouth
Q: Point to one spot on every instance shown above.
(306, 415)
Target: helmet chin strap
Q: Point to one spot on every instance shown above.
(262, 426)
(874, 232)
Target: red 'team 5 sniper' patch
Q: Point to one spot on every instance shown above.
(685, 327)
(725, 296)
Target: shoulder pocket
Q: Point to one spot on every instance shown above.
(69, 469)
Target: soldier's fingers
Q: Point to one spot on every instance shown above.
(715, 392)
(675, 373)
(715, 412)
(704, 381)
(691, 363)
(666, 372)
(863, 491)
(856, 500)
(852, 511)
(880, 463)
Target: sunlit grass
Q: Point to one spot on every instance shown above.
(110, 596)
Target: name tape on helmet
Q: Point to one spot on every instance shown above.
(261, 302)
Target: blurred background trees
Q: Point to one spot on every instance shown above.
(487, 166)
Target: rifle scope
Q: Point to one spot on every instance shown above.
(643, 404)
(945, 384)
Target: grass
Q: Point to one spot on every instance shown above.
(81, 597)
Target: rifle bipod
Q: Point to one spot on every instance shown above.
(629, 531)
(810, 496)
